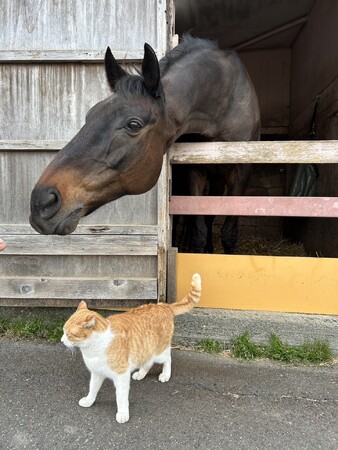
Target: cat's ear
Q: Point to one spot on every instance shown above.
(90, 321)
(82, 305)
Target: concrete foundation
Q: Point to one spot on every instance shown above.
(225, 325)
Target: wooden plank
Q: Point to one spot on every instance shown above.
(78, 288)
(262, 283)
(81, 245)
(260, 152)
(19, 229)
(33, 90)
(287, 152)
(163, 230)
(255, 206)
(51, 25)
(102, 266)
(111, 304)
(295, 23)
(171, 289)
(83, 56)
(31, 145)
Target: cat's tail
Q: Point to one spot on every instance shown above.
(189, 300)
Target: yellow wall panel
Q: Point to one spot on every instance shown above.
(266, 283)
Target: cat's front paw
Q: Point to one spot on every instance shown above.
(122, 417)
(86, 402)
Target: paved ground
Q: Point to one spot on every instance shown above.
(210, 403)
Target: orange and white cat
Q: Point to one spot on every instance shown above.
(114, 347)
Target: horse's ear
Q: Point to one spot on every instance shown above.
(151, 71)
(113, 70)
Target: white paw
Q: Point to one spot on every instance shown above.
(138, 375)
(86, 402)
(122, 417)
(163, 377)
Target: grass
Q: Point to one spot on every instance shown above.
(211, 346)
(32, 328)
(243, 348)
(316, 352)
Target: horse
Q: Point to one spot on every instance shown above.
(195, 89)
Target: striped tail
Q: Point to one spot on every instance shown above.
(189, 300)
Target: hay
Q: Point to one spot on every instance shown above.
(268, 247)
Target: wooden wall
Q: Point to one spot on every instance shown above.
(51, 73)
(315, 72)
(270, 71)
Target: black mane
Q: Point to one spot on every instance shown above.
(134, 85)
(131, 85)
(189, 44)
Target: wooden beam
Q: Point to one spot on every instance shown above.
(271, 33)
(75, 56)
(255, 206)
(93, 230)
(31, 145)
(106, 304)
(260, 152)
(35, 244)
(78, 288)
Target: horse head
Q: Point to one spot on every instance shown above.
(118, 151)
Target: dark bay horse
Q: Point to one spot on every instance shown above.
(196, 88)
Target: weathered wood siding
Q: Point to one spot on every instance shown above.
(41, 29)
(51, 73)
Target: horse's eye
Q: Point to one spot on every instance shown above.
(134, 126)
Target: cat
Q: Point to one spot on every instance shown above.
(114, 347)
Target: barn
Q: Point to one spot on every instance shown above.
(121, 255)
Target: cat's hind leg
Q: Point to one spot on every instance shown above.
(165, 359)
(96, 381)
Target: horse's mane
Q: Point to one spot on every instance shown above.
(134, 84)
(187, 45)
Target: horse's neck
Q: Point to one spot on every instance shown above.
(188, 106)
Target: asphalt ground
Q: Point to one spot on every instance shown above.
(211, 402)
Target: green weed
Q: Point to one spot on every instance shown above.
(243, 348)
(32, 328)
(315, 352)
(210, 346)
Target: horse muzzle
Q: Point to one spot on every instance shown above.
(47, 216)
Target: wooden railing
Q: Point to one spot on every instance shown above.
(262, 152)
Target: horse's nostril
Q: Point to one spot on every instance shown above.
(48, 202)
(52, 198)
